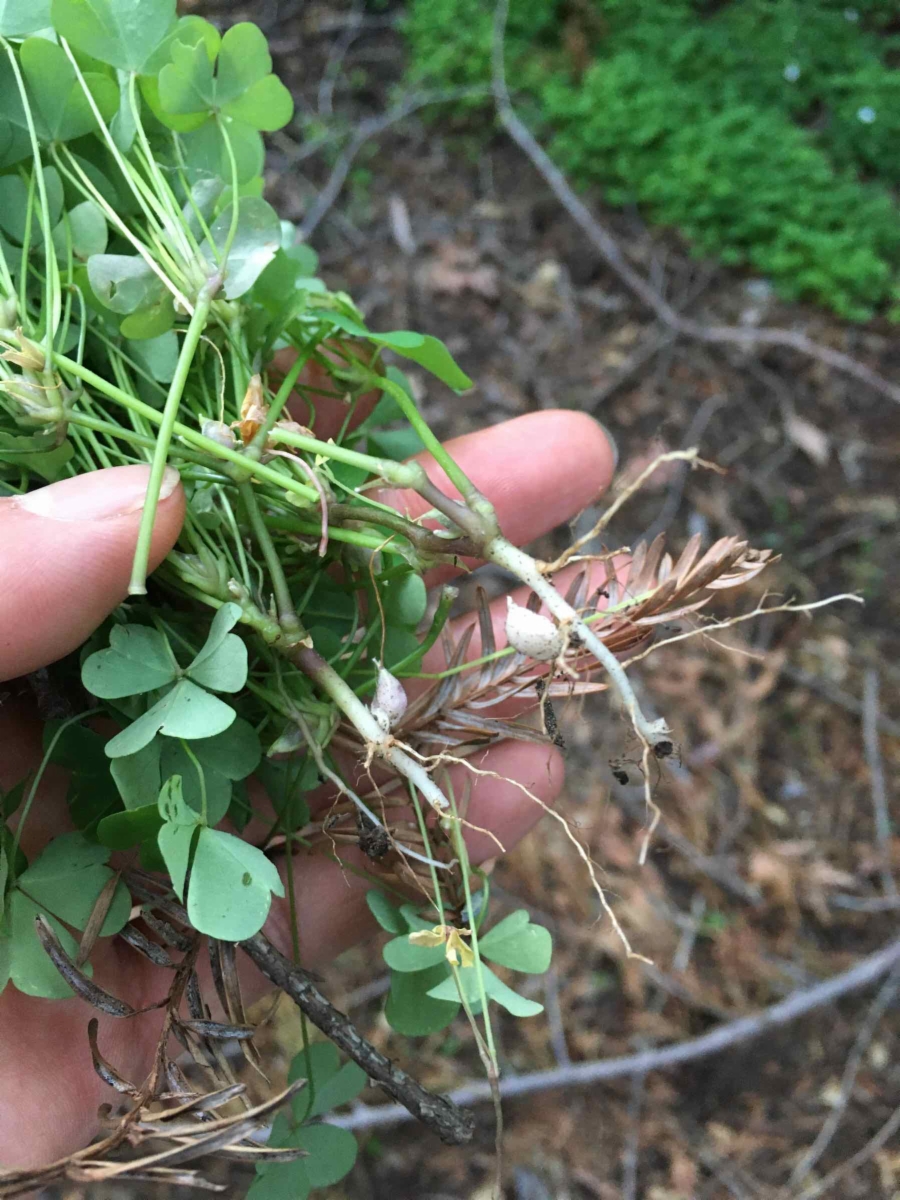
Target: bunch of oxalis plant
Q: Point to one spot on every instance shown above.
(145, 290)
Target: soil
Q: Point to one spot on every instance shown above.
(445, 228)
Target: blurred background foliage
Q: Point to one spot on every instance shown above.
(764, 131)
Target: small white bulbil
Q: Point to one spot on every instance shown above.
(219, 432)
(389, 702)
(532, 634)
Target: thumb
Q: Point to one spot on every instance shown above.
(65, 559)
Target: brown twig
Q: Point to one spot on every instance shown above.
(798, 1004)
(611, 252)
(437, 1112)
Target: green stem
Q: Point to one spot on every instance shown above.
(259, 470)
(401, 475)
(287, 613)
(138, 584)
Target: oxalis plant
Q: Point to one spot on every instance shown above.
(154, 309)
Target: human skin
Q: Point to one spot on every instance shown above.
(65, 561)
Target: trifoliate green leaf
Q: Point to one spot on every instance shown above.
(241, 88)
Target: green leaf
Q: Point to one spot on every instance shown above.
(68, 877)
(231, 886)
(120, 831)
(26, 960)
(124, 282)
(91, 793)
(222, 662)
(186, 711)
(495, 988)
(37, 453)
(138, 660)
(429, 352)
(330, 1084)
(402, 955)
(152, 320)
(395, 444)
(174, 842)
(411, 1010)
(206, 157)
(406, 599)
(87, 229)
(14, 204)
(280, 1181)
(515, 942)
(332, 1153)
(137, 776)
(387, 916)
(242, 88)
(61, 108)
(157, 355)
(176, 761)
(172, 805)
(20, 17)
(255, 244)
(123, 33)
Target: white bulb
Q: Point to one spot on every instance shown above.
(218, 431)
(389, 702)
(532, 634)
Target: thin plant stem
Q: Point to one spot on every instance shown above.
(138, 584)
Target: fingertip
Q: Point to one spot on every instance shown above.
(67, 551)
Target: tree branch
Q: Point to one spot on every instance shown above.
(437, 1112)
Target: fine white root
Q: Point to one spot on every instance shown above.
(580, 849)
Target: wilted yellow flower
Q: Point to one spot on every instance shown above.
(457, 953)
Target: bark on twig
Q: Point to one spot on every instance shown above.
(437, 1112)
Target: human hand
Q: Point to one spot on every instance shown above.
(65, 559)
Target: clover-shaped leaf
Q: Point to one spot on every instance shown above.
(124, 283)
(241, 87)
(411, 1009)
(123, 33)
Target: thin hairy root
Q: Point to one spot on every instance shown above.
(620, 501)
(582, 852)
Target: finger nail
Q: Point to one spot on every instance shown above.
(97, 496)
(614, 445)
